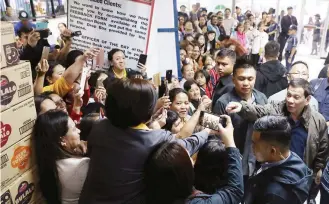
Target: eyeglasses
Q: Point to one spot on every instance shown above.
(299, 74)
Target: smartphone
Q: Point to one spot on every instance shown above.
(166, 89)
(45, 52)
(41, 25)
(99, 62)
(169, 76)
(76, 33)
(142, 59)
(211, 121)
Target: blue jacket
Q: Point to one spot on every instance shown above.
(325, 178)
(19, 25)
(232, 193)
(287, 183)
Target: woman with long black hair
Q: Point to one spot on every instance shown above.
(61, 167)
(210, 44)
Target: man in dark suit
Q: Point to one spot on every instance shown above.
(286, 22)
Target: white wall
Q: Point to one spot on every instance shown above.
(162, 46)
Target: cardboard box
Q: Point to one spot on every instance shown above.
(17, 123)
(8, 53)
(16, 160)
(25, 189)
(16, 84)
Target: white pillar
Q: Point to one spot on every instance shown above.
(301, 21)
(324, 35)
(277, 10)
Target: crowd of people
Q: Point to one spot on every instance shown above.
(118, 138)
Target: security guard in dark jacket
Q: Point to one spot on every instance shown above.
(286, 22)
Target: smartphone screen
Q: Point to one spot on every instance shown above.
(45, 52)
(211, 121)
(167, 89)
(142, 59)
(41, 25)
(99, 63)
(169, 75)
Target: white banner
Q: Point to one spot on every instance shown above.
(109, 24)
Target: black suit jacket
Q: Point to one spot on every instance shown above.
(286, 22)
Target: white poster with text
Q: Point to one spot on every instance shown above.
(108, 24)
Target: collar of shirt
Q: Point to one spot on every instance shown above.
(226, 79)
(141, 126)
(253, 98)
(267, 165)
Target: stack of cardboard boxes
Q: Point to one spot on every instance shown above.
(18, 115)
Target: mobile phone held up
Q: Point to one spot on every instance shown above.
(169, 76)
(76, 33)
(41, 25)
(211, 121)
(142, 59)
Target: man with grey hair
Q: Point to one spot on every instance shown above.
(283, 177)
(298, 69)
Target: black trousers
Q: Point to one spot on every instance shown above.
(282, 41)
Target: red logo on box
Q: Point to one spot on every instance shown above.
(21, 157)
(5, 133)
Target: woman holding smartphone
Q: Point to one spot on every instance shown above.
(116, 58)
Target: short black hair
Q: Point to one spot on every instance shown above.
(184, 65)
(24, 29)
(264, 12)
(302, 83)
(174, 92)
(210, 32)
(204, 73)
(188, 84)
(210, 168)
(225, 52)
(170, 162)
(213, 16)
(272, 49)
(227, 9)
(172, 117)
(86, 124)
(112, 52)
(38, 101)
(242, 64)
(71, 56)
(300, 62)
(129, 102)
(274, 129)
